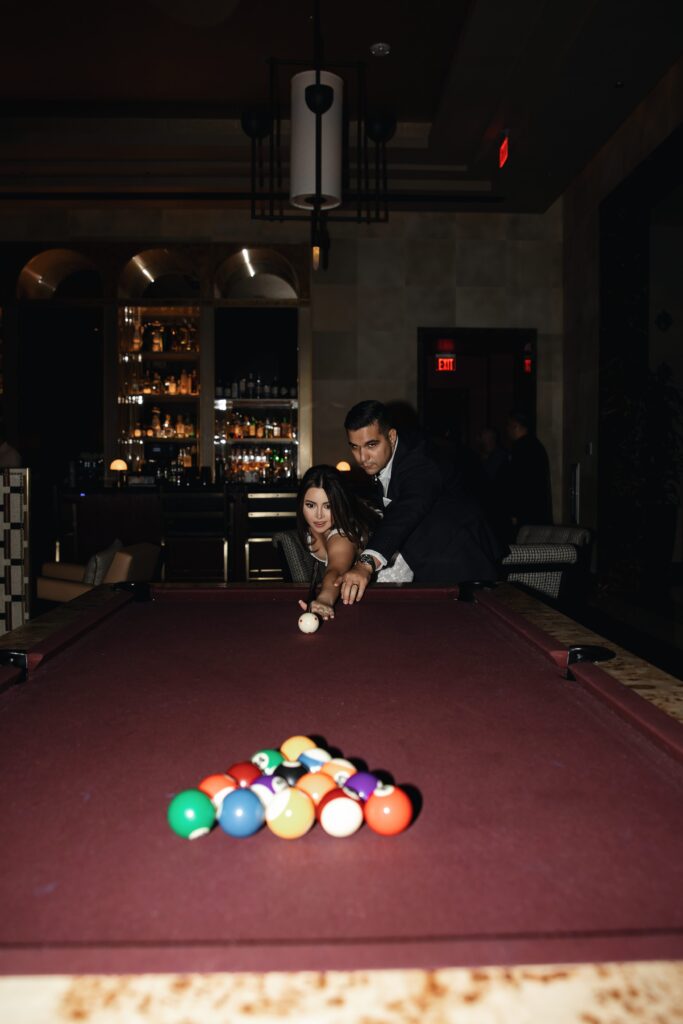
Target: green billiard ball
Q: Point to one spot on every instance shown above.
(191, 814)
(267, 760)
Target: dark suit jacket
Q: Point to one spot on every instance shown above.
(437, 527)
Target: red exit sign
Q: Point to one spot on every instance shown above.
(445, 363)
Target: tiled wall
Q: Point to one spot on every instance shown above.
(13, 548)
(432, 270)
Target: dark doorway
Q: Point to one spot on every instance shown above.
(60, 363)
(469, 378)
(641, 401)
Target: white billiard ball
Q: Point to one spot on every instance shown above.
(308, 622)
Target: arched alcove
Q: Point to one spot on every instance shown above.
(256, 274)
(59, 274)
(159, 274)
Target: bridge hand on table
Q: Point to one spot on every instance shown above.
(325, 611)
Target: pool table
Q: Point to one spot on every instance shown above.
(548, 825)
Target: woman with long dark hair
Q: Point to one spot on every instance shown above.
(333, 526)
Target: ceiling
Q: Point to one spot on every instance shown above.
(142, 99)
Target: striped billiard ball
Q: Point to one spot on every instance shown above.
(339, 814)
(290, 814)
(339, 769)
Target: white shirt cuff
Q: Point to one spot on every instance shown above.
(375, 554)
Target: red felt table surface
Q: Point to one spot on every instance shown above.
(550, 826)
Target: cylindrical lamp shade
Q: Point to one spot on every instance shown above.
(302, 145)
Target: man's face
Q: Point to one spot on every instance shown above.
(371, 448)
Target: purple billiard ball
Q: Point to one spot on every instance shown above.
(267, 787)
(362, 784)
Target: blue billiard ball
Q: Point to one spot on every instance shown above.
(242, 814)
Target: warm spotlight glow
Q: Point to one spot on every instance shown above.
(315, 256)
(343, 467)
(119, 466)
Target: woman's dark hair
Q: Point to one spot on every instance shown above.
(349, 515)
(365, 413)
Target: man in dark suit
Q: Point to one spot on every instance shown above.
(430, 526)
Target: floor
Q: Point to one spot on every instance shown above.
(652, 630)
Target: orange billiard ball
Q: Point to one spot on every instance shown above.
(388, 811)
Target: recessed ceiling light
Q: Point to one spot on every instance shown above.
(380, 49)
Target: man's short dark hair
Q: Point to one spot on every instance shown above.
(521, 417)
(365, 413)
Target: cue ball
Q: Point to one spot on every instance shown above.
(308, 622)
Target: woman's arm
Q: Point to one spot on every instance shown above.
(341, 554)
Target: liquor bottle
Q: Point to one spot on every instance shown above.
(268, 430)
(194, 383)
(260, 428)
(250, 386)
(136, 343)
(157, 338)
(266, 390)
(180, 427)
(235, 389)
(171, 385)
(277, 429)
(157, 387)
(183, 384)
(156, 422)
(259, 388)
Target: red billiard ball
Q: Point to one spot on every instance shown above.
(340, 814)
(388, 811)
(244, 773)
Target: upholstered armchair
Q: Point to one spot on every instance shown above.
(63, 581)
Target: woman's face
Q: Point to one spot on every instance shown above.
(316, 509)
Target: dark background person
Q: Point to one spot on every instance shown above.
(428, 518)
(528, 478)
(9, 456)
(493, 481)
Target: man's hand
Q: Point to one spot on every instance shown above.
(353, 582)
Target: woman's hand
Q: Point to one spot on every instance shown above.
(325, 611)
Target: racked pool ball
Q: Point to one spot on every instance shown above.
(217, 787)
(308, 622)
(389, 810)
(267, 760)
(315, 758)
(339, 769)
(266, 786)
(191, 814)
(362, 784)
(242, 814)
(244, 773)
(339, 814)
(290, 771)
(290, 814)
(316, 785)
(294, 746)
